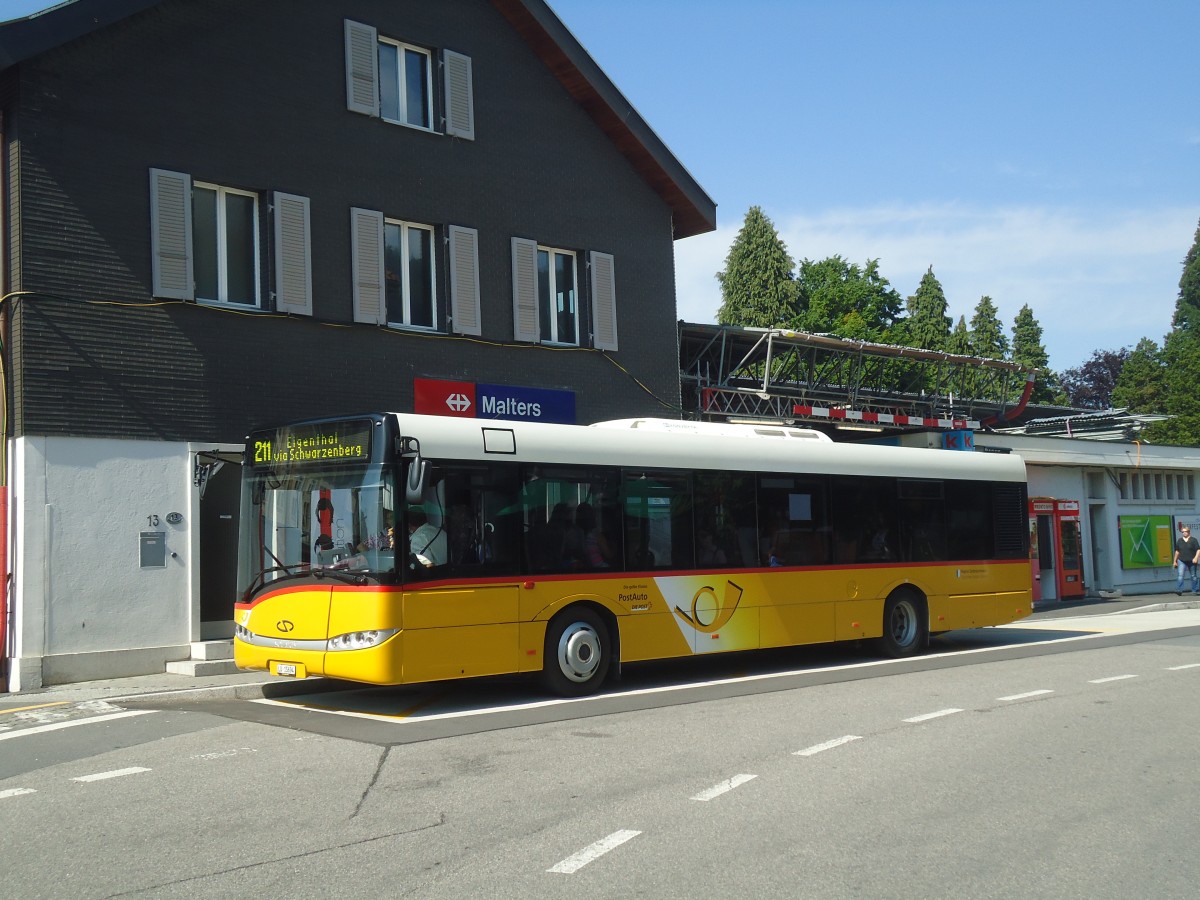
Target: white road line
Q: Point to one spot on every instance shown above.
(115, 773)
(933, 715)
(1188, 666)
(588, 854)
(16, 792)
(1110, 678)
(1026, 695)
(41, 729)
(724, 787)
(828, 745)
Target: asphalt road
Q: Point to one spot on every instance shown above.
(1051, 760)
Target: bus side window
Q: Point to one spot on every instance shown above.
(483, 519)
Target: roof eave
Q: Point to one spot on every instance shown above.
(693, 211)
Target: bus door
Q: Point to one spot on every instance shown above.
(1069, 547)
(1041, 548)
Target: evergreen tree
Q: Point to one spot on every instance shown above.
(1187, 307)
(960, 339)
(965, 383)
(837, 297)
(1140, 386)
(758, 287)
(1027, 350)
(1181, 375)
(988, 340)
(928, 326)
(1181, 361)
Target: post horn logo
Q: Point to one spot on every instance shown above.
(285, 626)
(709, 612)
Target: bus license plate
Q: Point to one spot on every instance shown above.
(285, 669)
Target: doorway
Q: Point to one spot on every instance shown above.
(220, 501)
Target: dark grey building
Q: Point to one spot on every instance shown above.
(221, 214)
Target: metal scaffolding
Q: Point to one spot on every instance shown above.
(780, 375)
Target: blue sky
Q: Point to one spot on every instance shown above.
(1037, 152)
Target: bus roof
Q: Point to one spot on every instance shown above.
(618, 444)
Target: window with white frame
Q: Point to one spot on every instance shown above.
(205, 245)
(394, 270)
(405, 84)
(410, 287)
(225, 244)
(546, 298)
(395, 81)
(558, 293)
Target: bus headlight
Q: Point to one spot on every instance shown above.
(360, 640)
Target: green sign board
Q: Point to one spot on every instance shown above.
(1146, 541)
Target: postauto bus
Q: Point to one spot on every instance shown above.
(396, 548)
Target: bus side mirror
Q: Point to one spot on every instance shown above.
(414, 485)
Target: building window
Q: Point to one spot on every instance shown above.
(558, 293)
(225, 244)
(409, 273)
(405, 84)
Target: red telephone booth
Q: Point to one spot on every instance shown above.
(1069, 548)
(1055, 549)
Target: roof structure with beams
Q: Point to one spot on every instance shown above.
(729, 372)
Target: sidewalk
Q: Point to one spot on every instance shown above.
(255, 685)
(238, 686)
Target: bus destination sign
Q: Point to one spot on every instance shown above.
(301, 445)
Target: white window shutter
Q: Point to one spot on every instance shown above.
(293, 255)
(362, 69)
(366, 236)
(604, 302)
(464, 280)
(460, 95)
(171, 235)
(526, 324)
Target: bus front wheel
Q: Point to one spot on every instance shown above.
(905, 625)
(577, 653)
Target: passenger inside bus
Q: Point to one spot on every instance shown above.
(426, 541)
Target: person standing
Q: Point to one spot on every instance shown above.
(1187, 558)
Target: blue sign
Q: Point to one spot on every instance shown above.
(525, 404)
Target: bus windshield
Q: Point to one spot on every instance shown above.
(325, 521)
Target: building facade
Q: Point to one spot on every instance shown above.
(219, 215)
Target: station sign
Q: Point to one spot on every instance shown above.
(469, 400)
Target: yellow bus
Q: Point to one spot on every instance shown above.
(396, 548)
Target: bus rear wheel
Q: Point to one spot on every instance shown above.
(905, 625)
(576, 657)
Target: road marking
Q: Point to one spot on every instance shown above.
(1110, 678)
(41, 729)
(576, 862)
(1026, 695)
(933, 715)
(27, 708)
(16, 792)
(115, 773)
(724, 787)
(1188, 666)
(828, 745)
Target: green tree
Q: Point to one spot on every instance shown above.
(960, 339)
(758, 286)
(1028, 351)
(927, 325)
(1140, 386)
(837, 297)
(1181, 361)
(1187, 307)
(988, 340)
